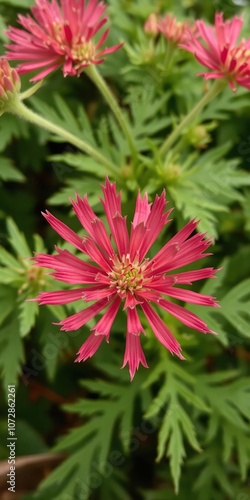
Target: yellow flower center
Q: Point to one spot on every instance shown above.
(127, 276)
(83, 52)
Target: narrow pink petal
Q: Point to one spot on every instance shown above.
(160, 282)
(97, 292)
(134, 325)
(178, 239)
(120, 234)
(186, 317)
(68, 267)
(136, 237)
(42, 74)
(134, 354)
(142, 209)
(93, 225)
(161, 331)
(95, 254)
(131, 301)
(192, 297)
(79, 319)
(163, 261)
(103, 38)
(64, 260)
(104, 325)
(111, 202)
(109, 50)
(157, 219)
(64, 231)
(187, 277)
(89, 347)
(148, 295)
(60, 297)
(189, 251)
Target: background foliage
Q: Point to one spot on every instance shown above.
(179, 427)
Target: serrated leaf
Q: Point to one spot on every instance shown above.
(8, 172)
(12, 353)
(8, 277)
(17, 240)
(236, 307)
(27, 316)
(7, 259)
(171, 430)
(39, 244)
(7, 301)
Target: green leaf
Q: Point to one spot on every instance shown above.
(7, 259)
(17, 240)
(204, 200)
(7, 301)
(8, 172)
(11, 127)
(234, 438)
(27, 316)
(236, 307)
(230, 401)
(176, 422)
(93, 439)
(12, 353)
(19, 3)
(171, 431)
(214, 318)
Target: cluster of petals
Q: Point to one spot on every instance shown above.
(118, 274)
(173, 30)
(61, 33)
(215, 48)
(9, 80)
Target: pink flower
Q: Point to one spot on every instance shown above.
(216, 49)
(61, 34)
(119, 275)
(173, 30)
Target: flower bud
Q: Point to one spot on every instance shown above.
(151, 25)
(10, 83)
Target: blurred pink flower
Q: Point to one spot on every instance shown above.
(173, 30)
(216, 49)
(60, 34)
(120, 275)
(151, 25)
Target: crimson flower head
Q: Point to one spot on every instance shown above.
(216, 49)
(60, 33)
(118, 273)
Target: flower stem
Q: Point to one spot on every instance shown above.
(97, 79)
(214, 90)
(18, 108)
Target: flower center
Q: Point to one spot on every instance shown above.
(127, 276)
(237, 59)
(83, 52)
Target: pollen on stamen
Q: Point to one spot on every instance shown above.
(127, 276)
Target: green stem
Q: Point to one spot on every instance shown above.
(97, 79)
(214, 90)
(18, 108)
